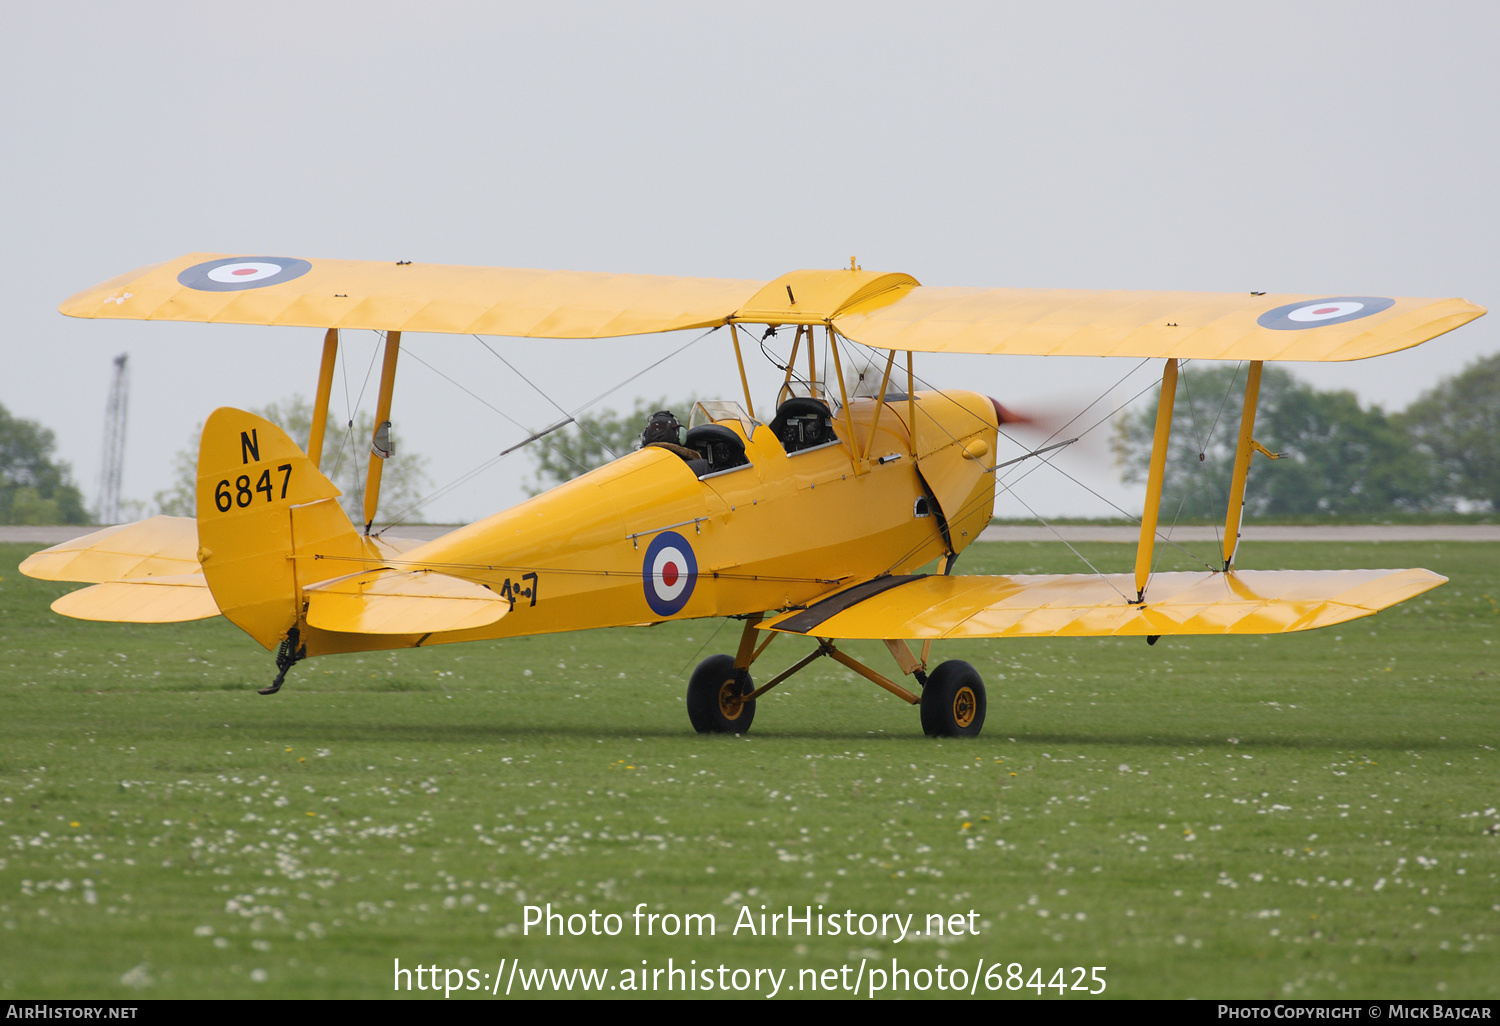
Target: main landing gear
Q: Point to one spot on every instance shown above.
(953, 701)
(716, 700)
(721, 696)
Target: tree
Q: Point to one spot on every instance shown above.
(1457, 425)
(34, 489)
(346, 453)
(592, 441)
(1342, 458)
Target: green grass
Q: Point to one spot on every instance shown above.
(1302, 816)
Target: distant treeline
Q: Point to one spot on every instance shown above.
(1439, 455)
(35, 489)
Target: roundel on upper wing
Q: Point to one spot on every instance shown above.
(235, 274)
(669, 572)
(1335, 310)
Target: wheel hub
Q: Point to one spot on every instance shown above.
(964, 706)
(730, 702)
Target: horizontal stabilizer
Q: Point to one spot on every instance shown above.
(164, 599)
(388, 601)
(1085, 605)
(160, 546)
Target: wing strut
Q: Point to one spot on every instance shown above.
(325, 392)
(734, 336)
(885, 380)
(838, 368)
(791, 366)
(1242, 453)
(911, 403)
(812, 365)
(380, 443)
(1154, 480)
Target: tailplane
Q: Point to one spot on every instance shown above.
(272, 550)
(285, 563)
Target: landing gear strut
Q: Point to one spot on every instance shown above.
(721, 697)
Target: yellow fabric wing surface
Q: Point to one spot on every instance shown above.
(146, 572)
(418, 297)
(1083, 605)
(1186, 325)
(160, 546)
(888, 311)
(388, 601)
(165, 599)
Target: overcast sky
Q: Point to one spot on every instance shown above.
(1341, 148)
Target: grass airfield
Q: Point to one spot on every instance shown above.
(1310, 816)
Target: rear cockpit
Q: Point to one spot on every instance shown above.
(715, 440)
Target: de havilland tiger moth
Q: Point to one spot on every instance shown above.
(815, 523)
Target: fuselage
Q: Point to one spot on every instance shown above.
(645, 538)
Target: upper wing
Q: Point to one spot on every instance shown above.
(1186, 325)
(160, 546)
(885, 310)
(1083, 605)
(412, 297)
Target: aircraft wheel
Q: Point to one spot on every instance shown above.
(714, 701)
(953, 701)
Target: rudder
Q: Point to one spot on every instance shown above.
(255, 487)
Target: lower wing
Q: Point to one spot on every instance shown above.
(1092, 605)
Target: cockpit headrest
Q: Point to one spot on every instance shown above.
(803, 422)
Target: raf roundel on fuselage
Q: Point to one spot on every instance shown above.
(670, 570)
(1335, 310)
(235, 274)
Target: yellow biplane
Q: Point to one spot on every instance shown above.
(816, 522)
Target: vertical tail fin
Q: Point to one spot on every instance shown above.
(262, 504)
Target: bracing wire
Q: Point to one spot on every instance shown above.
(349, 428)
(1203, 444)
(487, 464)
(581, 426)
(1102, 576)
(492, 406)
(692, 658)
(338, 458)
(1009, 486)
(1003, 483)
(1187, 395)
(610, 391)
(400, 515)
(428, 564)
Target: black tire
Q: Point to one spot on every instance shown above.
(953, 702)
(713, 693)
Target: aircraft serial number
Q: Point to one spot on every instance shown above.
(515, 592)
(241, 494)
